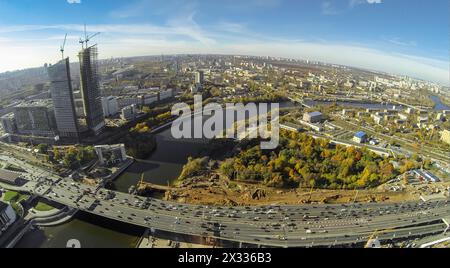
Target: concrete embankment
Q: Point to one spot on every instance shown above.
(122, 169)
(56, 218)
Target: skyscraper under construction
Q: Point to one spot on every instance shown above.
(63, 101)
(90, 89)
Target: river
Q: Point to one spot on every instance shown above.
(166, 162)
(92, 232)
(438, 104)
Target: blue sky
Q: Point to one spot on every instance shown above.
(408, 37)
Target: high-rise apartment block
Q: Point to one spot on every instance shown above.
(199, 77)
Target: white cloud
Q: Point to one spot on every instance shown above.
(374, 1)
(74, 1)
(328, 8)
(354, 3)
(181, 27)
(399, 42)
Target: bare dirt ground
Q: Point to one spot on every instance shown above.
(215, 190)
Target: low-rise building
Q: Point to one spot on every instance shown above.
(111, 154)
(35, 118)
(422, 119)
(403, 116)
(7, 216)
(129, 113)
(314, 117)
(9, 177)
(110, 106)
(378, 119)
(360, 137)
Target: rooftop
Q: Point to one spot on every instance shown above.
(360, 134)
(37, 103)
(315, 114)
(9, 176)
(3, 206)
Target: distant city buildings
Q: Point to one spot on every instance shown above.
(152, 97)
(90, 90)
(63, 100)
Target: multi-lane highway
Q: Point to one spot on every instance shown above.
(275, 225)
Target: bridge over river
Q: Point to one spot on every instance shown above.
(271, 226)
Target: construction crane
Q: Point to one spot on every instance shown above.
(87, 38)
(141, 181)
(63, 46)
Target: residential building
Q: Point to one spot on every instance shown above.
(129, 113)
(378, 119)
(110, 106)
(165, 94)
(199, 77)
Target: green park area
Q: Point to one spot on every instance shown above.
(43, 207)
(14, 197)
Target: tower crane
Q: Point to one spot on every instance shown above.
(63, 46)
(87, 38)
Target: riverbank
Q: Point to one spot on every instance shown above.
(92, 231)
(439, 105)
(217, 190)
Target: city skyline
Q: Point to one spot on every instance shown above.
(361, 33)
